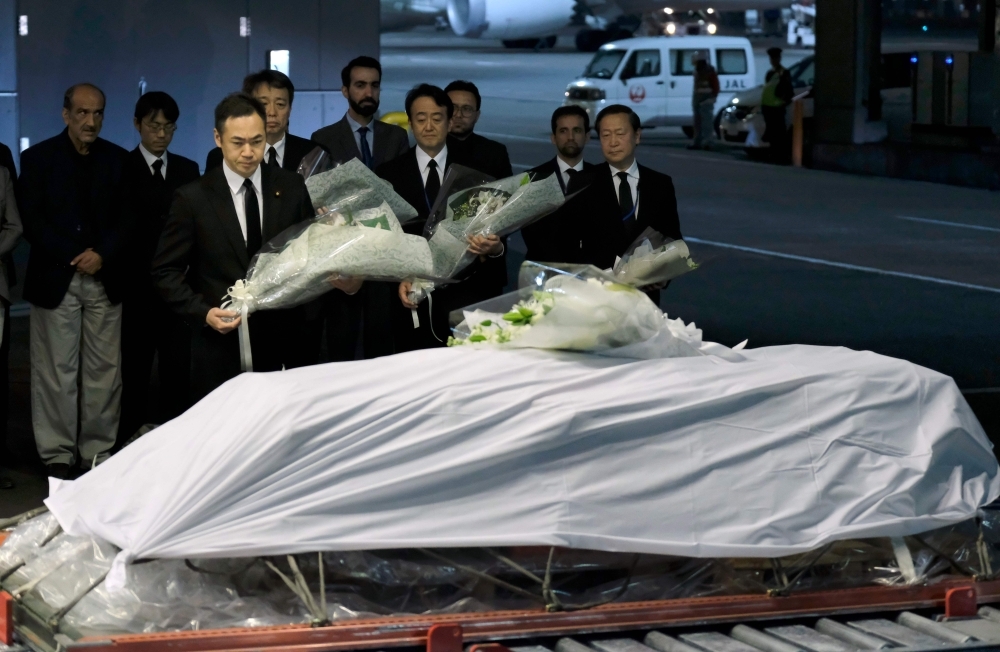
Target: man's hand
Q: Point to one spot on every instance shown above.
(221, 320)
(346, 284)
(489, 245)
(404, 291)
(89, 262)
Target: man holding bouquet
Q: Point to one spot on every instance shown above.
(625, 197)
(215, 227)
(416, 176)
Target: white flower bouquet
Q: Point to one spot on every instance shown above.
(351, 187)
(653, 259)
(297, 268)
(580, 308)
(576, 307)
(469, 206)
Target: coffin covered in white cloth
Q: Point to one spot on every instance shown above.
(780, 453)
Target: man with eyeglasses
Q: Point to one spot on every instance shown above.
(70, 197)
(149, 327)
(482, 154)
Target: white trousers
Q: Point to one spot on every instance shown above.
(76, 383)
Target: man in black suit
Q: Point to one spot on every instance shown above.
(10, 234)
(487, 156)
(479, 153)
(365, 315)
(417, 176)
(149, 327)
(275, 91)
(70, 199)
(625, 197)
(214, 229)
(559, 237)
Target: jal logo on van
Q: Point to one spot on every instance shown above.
(735, 83)
(637, 93)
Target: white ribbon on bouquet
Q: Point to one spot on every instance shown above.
(239, 299)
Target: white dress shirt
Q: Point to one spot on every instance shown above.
(235, 183)
(370, 136)
(423, 158)
(153, 158)
(633, 182)
(279, 149)
(562, 166)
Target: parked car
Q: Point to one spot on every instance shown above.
(655, 76)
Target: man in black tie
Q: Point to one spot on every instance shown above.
(417, 176)
(275, 91)
(214, 229)
(627, 197)
(149, 327)
(365, 316)
(559, 237)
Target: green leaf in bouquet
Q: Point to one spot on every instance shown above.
(486, 322)
(380, 222)
(525, 180)
(477, 338)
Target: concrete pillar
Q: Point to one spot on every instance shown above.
(848, 61)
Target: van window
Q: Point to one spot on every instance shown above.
(681, 63)
(731, 62)
(803, 72)
(642, 63)
(604, 64)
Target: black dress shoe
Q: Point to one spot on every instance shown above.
(58, 471)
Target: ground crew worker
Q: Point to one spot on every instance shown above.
(706, 90)
(774, 103)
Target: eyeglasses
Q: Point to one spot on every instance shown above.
(167, 129)
(465, 110)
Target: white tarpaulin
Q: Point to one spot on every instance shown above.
(791, 448)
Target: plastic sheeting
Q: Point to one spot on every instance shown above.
(791, 448)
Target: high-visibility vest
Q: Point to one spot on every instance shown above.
(770, 94)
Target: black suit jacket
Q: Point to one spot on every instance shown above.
(389, 142)
(559, 237)
(7, 160)
(50, 207)
(202, 251)
(608, 235)
(479, 153)
(295, 150)
(146, 213)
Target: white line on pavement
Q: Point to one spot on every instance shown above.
(831, 263)
(944, 223)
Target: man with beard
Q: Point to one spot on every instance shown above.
(485, 155)
(365, 316)
(275, 91)
(559, 237)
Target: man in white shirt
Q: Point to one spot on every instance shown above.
(557, 238)
(150, 330)
(215, 228)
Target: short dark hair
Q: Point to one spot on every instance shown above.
(572, 109)
(237, 105)
(272, 78)
(616, 109)
(359, 62)
(153, 102)
(468, 87)
(435, 93)
(68, 95)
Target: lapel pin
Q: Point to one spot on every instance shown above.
(277, 193)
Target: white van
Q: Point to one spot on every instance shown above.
(654, 76)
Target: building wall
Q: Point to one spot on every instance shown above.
(192, 49)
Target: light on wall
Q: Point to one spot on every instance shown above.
(278, 60)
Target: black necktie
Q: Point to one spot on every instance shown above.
(570, 175)
(252, 212)
(272, 156)
(366, 152)
(158, 170)
(625, 200)
(433, 185)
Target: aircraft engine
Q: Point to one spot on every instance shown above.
(509, 19)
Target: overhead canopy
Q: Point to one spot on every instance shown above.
(794, 447)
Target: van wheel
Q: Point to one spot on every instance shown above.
(688, 131)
